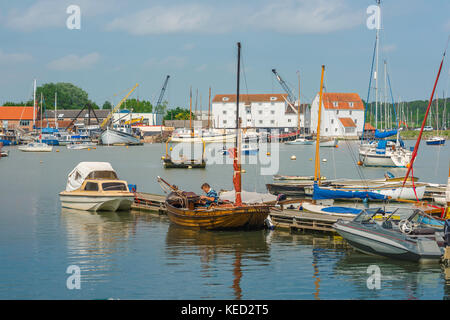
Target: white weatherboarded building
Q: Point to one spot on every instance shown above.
(268, 111)
(342, 115)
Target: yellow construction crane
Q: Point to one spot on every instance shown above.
(102, 125)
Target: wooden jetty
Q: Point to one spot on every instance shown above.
(291, 219)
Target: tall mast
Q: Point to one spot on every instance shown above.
(237, 148)
(209, 109)
(40, 136)
(56, 98)
(298, 111)
(317, 163)
(190, 110)
(376, 68)
(34, 104)
(385, 97)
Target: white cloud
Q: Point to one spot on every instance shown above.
(302, 16)
(284, 16)
(52, 13)
(170, 61)
(7, 58)
(74, 62)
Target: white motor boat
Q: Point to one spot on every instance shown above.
(80, 146)
(94, 186)
(301, 141)
(36, 147)
(328, 143)
(118, 137)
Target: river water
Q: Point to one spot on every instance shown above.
(130, 255)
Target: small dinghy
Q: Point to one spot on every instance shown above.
(94, 186)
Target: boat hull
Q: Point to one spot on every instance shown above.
(96, 203)
(114, 137)
(371, 159)
(251, 217)
(205, 139)
(381, 245)
(436, 142)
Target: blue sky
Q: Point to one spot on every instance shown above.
(122, 43)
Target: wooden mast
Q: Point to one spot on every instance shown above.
(209, 109)
(237, 149)
(190, 111)
(317, 163)
(298, 110)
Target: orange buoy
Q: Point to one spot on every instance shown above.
(359, 163)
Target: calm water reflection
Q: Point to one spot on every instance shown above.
(130, 255)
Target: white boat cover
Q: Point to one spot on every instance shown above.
(447, 191)
(86, 170)
(248, 197)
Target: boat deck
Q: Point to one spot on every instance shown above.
(291, 219)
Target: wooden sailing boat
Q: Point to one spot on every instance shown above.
(185, 209)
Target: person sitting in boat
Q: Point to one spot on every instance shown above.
(211, 195)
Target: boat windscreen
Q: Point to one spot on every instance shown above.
(366, 216)
(102, 175)
(403, 213)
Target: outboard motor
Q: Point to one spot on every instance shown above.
(447, 232)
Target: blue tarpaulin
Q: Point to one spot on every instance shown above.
(384, 134)
(319, 193)
(49, 130)
(342, 210)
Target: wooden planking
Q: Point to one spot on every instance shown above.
(287, 218)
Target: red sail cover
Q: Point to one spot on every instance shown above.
(236, 177)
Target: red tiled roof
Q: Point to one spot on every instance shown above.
(251, 97)
(369, 127)
(342, 100)
(16, 113)
(347, 122)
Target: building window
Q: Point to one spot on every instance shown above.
(273, 98)
(259, 104)
(24, 122)
(224, 121)
(272, 111)
(260, 121)
(335, 104)
(356, 121)
(337, 111)
(335, 129)
(249, 111)
(272, 103)
(350, 112)
(272, 121)
(289, 120)
(224, 111)
(332, 121)
(326, 129)
(350, 104)
(260, 112)
(225, 99)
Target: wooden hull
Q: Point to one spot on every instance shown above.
(251, 217)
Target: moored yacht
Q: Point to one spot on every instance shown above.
(94, 186)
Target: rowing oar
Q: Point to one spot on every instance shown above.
(416, 147)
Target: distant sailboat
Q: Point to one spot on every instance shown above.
(437, 140)
(36, 146)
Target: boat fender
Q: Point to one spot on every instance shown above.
(269, 223)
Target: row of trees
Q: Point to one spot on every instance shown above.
(70, 96)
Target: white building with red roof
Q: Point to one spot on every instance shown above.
(342, 115)
(268, 111)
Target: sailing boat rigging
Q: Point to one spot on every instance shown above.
(382, 153)
(186, 209)
(36, 146)
(436, 140)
